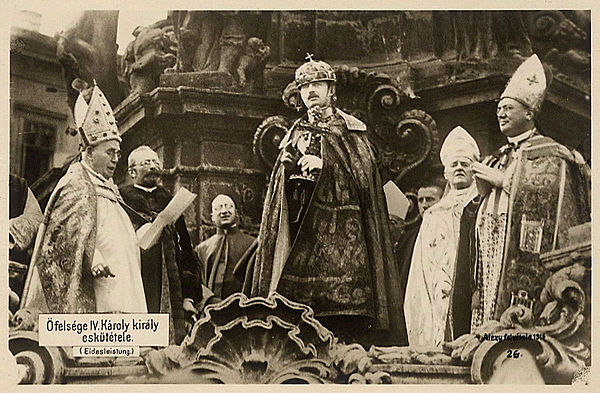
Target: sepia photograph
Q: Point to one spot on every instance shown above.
(299, 196)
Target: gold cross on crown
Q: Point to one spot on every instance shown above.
(309, 57)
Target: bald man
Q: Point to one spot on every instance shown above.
(219, 254)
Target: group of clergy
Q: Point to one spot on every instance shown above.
(324, 238)
(479, 247)
(87, 256)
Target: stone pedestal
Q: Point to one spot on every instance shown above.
(206, 79)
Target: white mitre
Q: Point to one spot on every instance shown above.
(458, 143)
(528, 84)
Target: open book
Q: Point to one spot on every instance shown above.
(148, 234)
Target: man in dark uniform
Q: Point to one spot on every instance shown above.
(168, 268)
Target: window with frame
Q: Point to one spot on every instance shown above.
(38, 145)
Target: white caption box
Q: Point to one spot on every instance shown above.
(103, 330)
(106, 351)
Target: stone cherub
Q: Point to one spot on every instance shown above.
(252, 64)
(147, 57)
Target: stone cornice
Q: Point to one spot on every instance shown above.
(451, 95)
(182, 100)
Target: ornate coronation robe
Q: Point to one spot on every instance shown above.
(169, 267)
(85, 224)
(432, 270)
(546, 191)
(340, 261)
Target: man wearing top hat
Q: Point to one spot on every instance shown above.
(324, 237)
(87, 258)
(534, 189)
(432, 269)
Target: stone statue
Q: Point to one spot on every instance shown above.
(218, 43)
(147, 57)
(251, 65)
(477, 36)
(88, 50)
(208, 41)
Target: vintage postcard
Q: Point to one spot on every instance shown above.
(299, 196)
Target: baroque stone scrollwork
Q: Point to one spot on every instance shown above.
(405, 136)
(35, 364)
(241, 340)
(556, 344)
(413, 142)
(267, 138)
(562, 38)
(275, 340)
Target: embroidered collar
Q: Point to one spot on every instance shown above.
(352, 123)
(102, 183)
(226, 231)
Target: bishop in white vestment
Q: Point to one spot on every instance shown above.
(431, 275)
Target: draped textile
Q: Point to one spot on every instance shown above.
(432, 269)
(69, 245)
(340, 262)
(218, 255)
(25, 217)
(546, 190)
(169, 267)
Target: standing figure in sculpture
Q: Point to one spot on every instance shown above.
(324, 238)
(88, 259)
(147, 57)
(534, 189)
(432, 269)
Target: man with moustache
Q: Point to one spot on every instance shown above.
(87, 258)
(534, 189)
(220, 253)
(432, 269)
(168, 267)
(324, 238)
